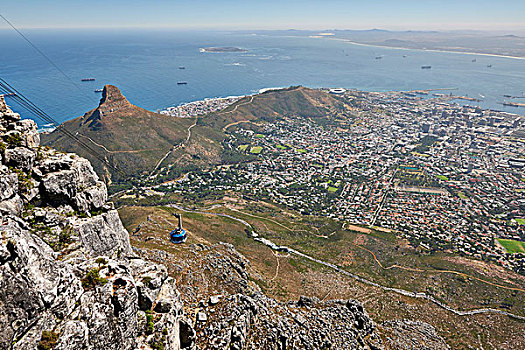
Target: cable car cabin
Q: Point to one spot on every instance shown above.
(178, 236)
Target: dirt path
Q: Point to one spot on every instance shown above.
(174, 148)
(115, 152)
(239, 105)
(239, 122)
(395, 266)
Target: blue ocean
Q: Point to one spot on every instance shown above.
(145, 66)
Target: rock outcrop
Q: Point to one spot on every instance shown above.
(258, 322)
(68, 275)
(228, 311)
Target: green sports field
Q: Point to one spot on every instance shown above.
(256, 150)
(512, 246)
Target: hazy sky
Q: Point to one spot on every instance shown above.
(508, 15)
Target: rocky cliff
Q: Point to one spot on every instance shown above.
(68, 275)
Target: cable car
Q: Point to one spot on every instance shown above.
(179, 234)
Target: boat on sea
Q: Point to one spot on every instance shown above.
(99, 90)
(87, 79)
(182, 67)
(426, 67)
(489, 65)
(182, 82)
(379, 57)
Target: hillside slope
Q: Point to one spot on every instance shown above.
(136, 140)
(274, 104)
(129, 137)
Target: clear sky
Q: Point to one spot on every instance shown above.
(506, 15)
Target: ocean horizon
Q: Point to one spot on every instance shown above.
(145, 66)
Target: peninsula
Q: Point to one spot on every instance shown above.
(222, 49)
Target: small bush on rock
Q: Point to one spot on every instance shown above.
(150, 326)
(24, 180)
(48, 340)
(14, 139)
(157, 344)
(93, 279)
(101, 261)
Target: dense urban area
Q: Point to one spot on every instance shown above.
(444, 176)
(193, 109)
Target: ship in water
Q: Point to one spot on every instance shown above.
(182, 67)
(182, 83)
(426, 67)
(87, 79)
(99, 90)
(379, 57)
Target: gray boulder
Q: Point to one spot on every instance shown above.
(8, 183)
(20, 158)
(103, 235)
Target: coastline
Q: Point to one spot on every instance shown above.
(425, 50)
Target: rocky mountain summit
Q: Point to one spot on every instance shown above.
(127, 136)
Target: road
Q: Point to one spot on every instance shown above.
(380, 207)
(174, 148)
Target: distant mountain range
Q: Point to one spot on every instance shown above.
(458, 41)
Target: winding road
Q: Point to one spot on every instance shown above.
(417, 295)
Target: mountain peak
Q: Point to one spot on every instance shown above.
(111, 95)
(111, 103)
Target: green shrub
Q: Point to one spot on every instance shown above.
(64, 238)
(24, 180)
(93, 279)
(157, 344)
(48, 340)
(39, 154)
(101, 261)
(14, 139)
(150, 326)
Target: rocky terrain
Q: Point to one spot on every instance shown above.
(69, 278)
(68, 275)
